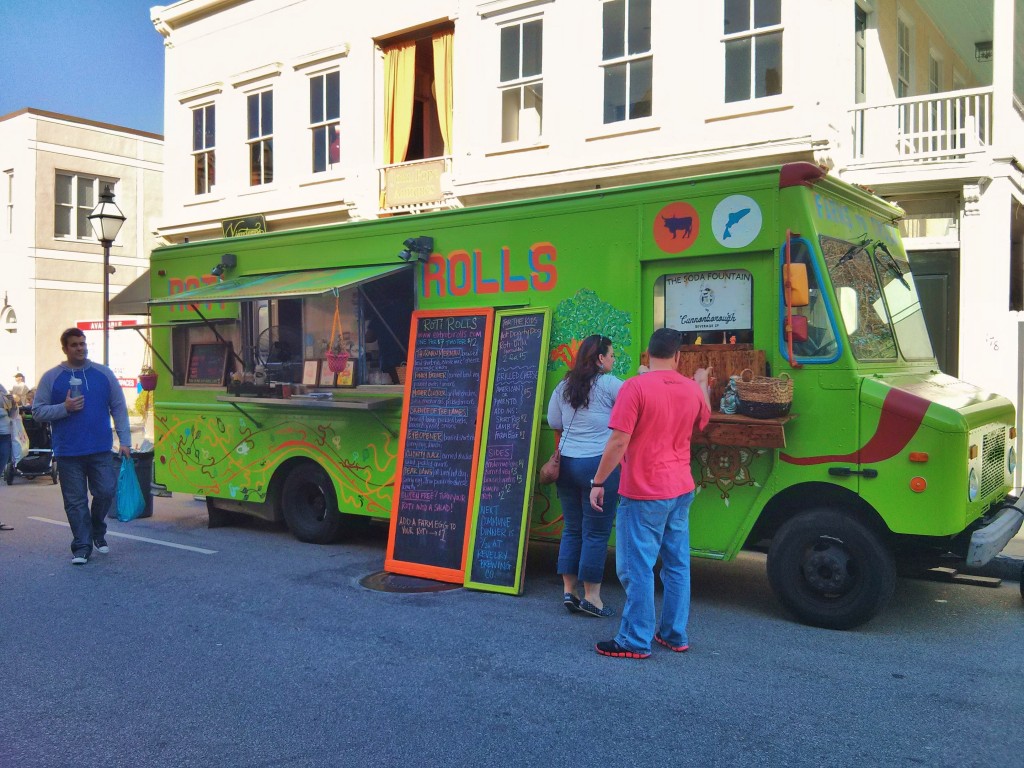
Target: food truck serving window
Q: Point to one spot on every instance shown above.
(709, 307)
(291, 321)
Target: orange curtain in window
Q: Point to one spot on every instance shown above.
(443, 85)
(399, 77)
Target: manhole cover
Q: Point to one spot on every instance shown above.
(396, 582)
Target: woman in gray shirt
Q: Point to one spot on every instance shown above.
(579, 411)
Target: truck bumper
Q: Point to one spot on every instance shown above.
(989, 540)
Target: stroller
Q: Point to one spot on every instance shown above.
(39, 460)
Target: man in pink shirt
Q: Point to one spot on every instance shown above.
(651, 422)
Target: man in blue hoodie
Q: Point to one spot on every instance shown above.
(78, 398)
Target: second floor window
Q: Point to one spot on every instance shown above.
(261, 138)
(522, 91)
(902, 58)
(626, 60)
(753, 49)
(75, 196)
(204, 140)
(324, 120)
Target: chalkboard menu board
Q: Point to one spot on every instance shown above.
(449, 355)
(207, 363)
(505, 489)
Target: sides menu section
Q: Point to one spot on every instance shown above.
(449, 355)
(505, 488)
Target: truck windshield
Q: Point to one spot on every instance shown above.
(877, 299)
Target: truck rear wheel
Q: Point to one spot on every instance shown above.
(830, 570)
(309, 505)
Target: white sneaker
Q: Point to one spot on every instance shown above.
(79, 560)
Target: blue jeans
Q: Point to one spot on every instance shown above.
(79, 476)
(647, 529)
(585, 531)
(6, 446)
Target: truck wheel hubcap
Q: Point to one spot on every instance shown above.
(828, 567)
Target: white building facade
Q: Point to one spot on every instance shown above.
(53, 168)
(319, 111)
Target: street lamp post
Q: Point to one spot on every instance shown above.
(106, 219)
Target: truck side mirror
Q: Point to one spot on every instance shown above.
(794, 281)
(848, 309)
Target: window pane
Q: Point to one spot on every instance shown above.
(197, 129)
(84, 227)
(254, 115)
(62, 221)
(532, 48)
(737, 16)
(63, 191)
(268, 161)
(254, 164)
(640, 96)
(767, 13)
(614, 25)
(333, 96)
(316, 100)
(319, 149)
(334, 148)
(615, 93)
(510, 100)
(639, 26)
(201, 174)
(86, 187)
(509, 53)
(210, 127)
(737, 70)
(768, 55)
(267, 116)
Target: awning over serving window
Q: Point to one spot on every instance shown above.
(281, 285)
(133, 299)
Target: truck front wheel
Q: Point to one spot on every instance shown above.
(829, 570)
(309, 505)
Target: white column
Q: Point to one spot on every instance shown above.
(988, 330)
(1005, 122)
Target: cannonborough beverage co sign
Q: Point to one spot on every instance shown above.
(245, 225)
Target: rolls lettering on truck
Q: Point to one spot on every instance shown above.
(780, 270)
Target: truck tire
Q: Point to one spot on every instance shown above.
(830, 570)
(309, 505)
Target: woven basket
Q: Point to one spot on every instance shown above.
(764, 397)
(337, 361)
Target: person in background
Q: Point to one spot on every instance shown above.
(652, 422)
(79, 397)
(7, 410)
(578, 413)
(20, 388)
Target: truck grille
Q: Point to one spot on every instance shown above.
(993, 453)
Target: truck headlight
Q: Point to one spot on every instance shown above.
(1011, 460)
(972, 485)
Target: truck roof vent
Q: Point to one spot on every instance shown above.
(800, 174)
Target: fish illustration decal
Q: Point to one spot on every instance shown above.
(734, 218)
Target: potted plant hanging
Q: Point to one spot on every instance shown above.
(147, 378)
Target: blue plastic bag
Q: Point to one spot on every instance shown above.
(130, 502)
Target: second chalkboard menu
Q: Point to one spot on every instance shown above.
(449, 357)
(505, 488)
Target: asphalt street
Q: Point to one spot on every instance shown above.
(240, 646)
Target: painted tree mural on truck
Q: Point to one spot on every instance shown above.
(585, 314)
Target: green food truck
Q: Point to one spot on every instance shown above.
(282, 386)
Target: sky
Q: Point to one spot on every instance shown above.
(97, 59)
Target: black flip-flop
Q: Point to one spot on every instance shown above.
(5, 527)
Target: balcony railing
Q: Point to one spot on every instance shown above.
(943, 126)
